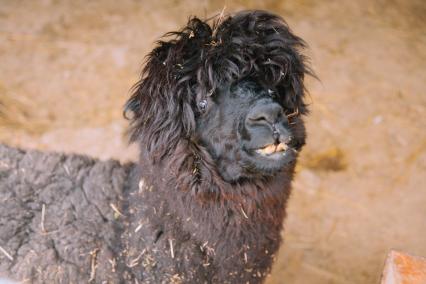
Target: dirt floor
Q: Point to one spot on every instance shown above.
(66, 68)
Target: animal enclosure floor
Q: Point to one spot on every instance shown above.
(360, 190)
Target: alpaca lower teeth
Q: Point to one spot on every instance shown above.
(271, 149)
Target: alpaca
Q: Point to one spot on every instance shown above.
(218, 114)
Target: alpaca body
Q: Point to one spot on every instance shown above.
(71, 219)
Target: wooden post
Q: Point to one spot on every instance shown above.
(402, 268)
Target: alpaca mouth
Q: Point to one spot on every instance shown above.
(272, 149)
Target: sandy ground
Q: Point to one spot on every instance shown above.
(66, 68)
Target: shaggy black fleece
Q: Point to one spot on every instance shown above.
(218, 117)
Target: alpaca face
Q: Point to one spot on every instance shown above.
(249, 131)
(228, 94)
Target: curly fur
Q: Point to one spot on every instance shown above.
(198, 208)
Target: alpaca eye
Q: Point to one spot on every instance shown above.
(271, 93)
(203, 105)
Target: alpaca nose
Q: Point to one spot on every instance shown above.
(268, 113)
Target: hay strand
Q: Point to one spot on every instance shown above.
(43, 214)
(6, 253)
(172, 253)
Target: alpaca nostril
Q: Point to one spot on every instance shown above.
(258, 118)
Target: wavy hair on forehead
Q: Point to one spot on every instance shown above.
(193, 63)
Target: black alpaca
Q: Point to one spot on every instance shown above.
(218, 117)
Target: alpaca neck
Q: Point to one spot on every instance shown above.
(234, 235)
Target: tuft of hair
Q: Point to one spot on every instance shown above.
(193, 63)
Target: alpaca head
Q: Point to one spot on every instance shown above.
(231, 93)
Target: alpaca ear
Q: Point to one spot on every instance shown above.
(292, 91)
(161, 106)
(160, 115)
